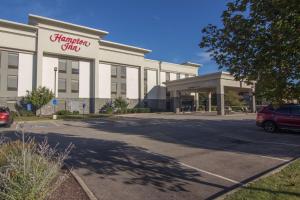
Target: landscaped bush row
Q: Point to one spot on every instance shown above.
(138, 110)
(120, 106)
(67, 112)
(29, 170)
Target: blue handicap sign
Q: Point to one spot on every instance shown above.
(29, 107)
(54, 102)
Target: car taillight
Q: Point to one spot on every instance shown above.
(3, 116)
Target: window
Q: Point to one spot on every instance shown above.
(296, 110)
(113, 71)
(177, 76)
(74, 86)
(75, 67)
(12, 83)
(123, 72)
(62, 66)
(68, 78)
(62, 85)
(123, 88)
(283, 110)
(167, 76)
(13, 61)
(114, 88)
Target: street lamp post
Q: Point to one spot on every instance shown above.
(54, 106)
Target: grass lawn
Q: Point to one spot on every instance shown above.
(32, 118)
(284, 185)
(80, 117)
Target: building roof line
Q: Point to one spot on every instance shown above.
(125, 46)
(192, 64)
(18, 24)
(98, 31)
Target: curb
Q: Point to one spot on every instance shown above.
(36, 121)
(82, 184)
(274, 171)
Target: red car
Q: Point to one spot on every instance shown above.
(5, 117)
(284, 117)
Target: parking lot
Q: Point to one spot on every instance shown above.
(167, 156)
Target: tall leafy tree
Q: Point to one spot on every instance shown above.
(232, 98)
(259, 41)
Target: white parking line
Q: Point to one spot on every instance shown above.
(201, 170)
(210, 173)
(274, 158)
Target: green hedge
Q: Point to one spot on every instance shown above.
(64, 112)
(139, 110)
(67, 112)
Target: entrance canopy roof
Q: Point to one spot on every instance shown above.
(215, 82)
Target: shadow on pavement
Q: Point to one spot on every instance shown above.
(107, 159)
(241, 136)
(110, 159)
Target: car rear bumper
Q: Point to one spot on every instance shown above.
(4, 122)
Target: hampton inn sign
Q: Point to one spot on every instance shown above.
(69, 43)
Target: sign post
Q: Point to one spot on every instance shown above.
(83, 108)
(54, 103)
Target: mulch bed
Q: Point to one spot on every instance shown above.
(69, 190)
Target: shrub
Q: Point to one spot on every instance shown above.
(143, 110)
(14, 114)
(139, 110)
(214, 108)
(30, 171)
(39, 97)
(64, 112)
(232, 98)
(107, 108)
(120, 104)
(75, 112)
(131, 110)
(237, 108)
(26, 113)
(22, 111)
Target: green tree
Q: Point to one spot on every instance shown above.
(232, 98)
(39, 97)
(259, 41)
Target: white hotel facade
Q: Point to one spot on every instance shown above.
(90, 69)
(82, 68)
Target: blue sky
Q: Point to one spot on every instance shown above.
(170, 28)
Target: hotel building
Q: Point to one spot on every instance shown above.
(80, 67)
